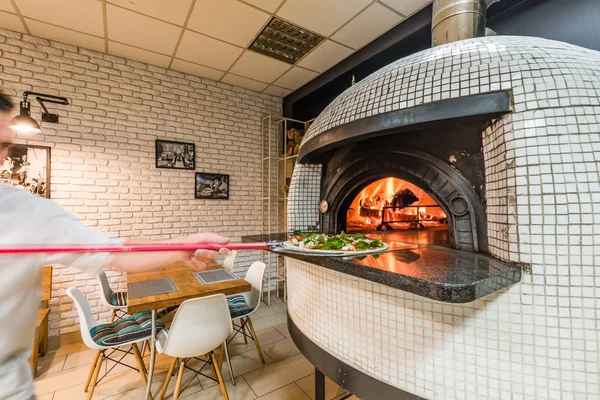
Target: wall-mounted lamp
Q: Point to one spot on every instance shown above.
(23, 123)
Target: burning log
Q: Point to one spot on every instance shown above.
(403, 199)
(400, 200)
(369, 212)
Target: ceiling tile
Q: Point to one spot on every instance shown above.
(133, 53)
(407, 7)
(137, 30)
(83, 15)
(11, 22)
(368, 25)
(267, 5)
(262, 68)
(295, 78)
(277, 91)
(175, 12)
(6, 5)
(195, 69)
(320, 16)
(207, 51)
(228, 20)
(325, 56)
(244, 82)
(64, 35)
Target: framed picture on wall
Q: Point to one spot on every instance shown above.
(27, 167)
(175, 155)
(211, 186)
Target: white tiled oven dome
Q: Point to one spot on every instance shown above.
(535, 69)
(536, 340)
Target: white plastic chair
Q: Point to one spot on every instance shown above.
(88, 323)
(242, 306)
(199, 326)
(229, 260)
(108, 297)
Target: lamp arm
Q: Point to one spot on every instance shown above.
(47, 97)
(41, 101)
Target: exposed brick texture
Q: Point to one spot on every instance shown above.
(102, 165)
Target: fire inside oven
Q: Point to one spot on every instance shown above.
(393, 204)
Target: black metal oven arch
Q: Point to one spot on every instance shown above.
(452, 192)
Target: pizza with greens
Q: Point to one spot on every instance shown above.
(344, 243)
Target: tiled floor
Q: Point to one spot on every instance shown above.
(287, 375)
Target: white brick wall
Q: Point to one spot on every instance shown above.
(102, 165)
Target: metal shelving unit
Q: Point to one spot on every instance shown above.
(277, 170)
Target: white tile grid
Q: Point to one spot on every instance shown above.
(494, 348)
(462, 68)
(535, 340)
(501, 205)
(304, 197)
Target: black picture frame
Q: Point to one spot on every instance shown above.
(27, 167)
(175, 155)
(209, 186)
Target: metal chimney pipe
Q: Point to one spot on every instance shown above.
(455, 20)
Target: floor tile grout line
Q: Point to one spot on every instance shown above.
(249, 387)
(281, 387)
(307, 395)
(303, 391)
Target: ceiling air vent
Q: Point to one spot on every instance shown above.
(284, 41)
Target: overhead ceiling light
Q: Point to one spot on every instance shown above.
(23, 123)
(285, 41)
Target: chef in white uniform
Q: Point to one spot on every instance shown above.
(29, 220)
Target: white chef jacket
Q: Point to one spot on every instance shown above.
(29, 220)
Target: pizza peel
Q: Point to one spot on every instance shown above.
(280, 247)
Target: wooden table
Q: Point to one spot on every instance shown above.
(188, 288)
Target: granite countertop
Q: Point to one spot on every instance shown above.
(431, 271)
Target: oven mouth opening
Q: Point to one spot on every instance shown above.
(393, 204)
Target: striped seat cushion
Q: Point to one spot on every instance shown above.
(238, 306)
(125, 330)
(118, 299)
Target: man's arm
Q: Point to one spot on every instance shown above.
(137, 262)
(49, 224)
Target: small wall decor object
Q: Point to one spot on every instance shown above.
(175, 155)
(211, 186)
(27, 167)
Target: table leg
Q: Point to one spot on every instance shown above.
(152, 356)
(319, 385)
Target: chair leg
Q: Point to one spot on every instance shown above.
(92, 369)
(244, 331)
(166, 384)
(141, 366)
(144, 345)
(219, 376)
(179, 379)
(255, 338)
(113, 315)
(221, 356)
(95, 376)
(226, 351)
